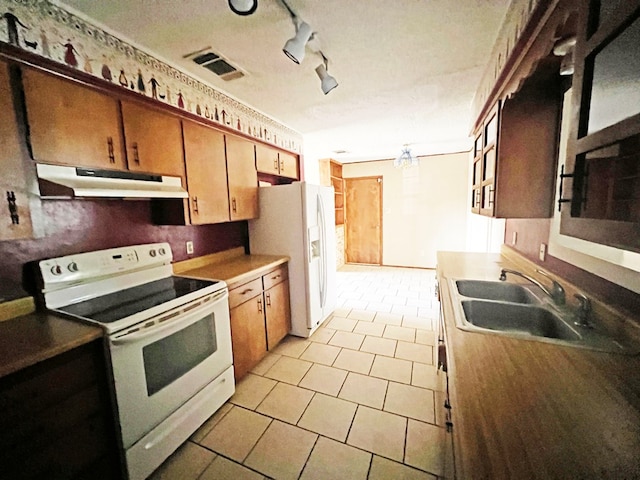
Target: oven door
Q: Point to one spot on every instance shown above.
(161, 363)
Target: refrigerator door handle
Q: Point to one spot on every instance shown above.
(323, 251)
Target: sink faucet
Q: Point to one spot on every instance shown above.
(584, 311)
(556, 293)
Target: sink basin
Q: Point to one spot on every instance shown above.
(501, 291)
(517, 319)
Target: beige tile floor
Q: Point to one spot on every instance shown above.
(358, 400)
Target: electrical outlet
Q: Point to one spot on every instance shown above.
(514, 239)
(189, 247)
(543, 251)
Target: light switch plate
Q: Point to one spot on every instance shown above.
(189, 247)
(515, 238)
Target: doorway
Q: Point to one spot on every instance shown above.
(363, 220)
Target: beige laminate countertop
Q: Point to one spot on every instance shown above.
(29, 339)
(235, 269)
(527, 409)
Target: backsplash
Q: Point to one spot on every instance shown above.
(48, 30)
(74, 226)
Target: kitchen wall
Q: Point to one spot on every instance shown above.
(425, 208)
(74, 226)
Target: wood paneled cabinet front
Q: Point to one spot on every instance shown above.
(515, 150)
(16, 199)
(276, 162)
(260, 318)
(206, 168)
(242, 178)
(57, 420)
(71, 124)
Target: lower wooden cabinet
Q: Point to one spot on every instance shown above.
(56, 419)
(260, 318)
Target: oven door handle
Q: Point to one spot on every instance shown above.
(137, 335)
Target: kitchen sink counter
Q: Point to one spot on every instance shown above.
(527, 409)
(29, 339)
(232, 266)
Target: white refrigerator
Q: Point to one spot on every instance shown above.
(298, 220)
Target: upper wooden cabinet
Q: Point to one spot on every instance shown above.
(153, 140)
(515, 152)
(276, 162)
(242, 178)
(15, 212)
(206, 174)
(601, 182)
(72, 125)
(515, 139)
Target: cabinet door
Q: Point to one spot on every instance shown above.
(153, 140)
(288, 165)
(72, 125)
(206, 174)
(248, 337)
(277, 313)
(242, 177)
(267, 159)
(15, 215)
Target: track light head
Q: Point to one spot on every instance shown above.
(294, 48)
(243, 7)
(327, 82)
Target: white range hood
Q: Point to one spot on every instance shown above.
(58, 181)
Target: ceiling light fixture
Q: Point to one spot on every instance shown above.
(243, 7)
(295, 46)
(327, 82)
(406, 159)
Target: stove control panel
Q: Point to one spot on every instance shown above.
(89, 266)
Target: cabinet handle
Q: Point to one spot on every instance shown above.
(112, 157)
(491, 195)
(562, 177)
(268, 299)
(275, 277)
(275, 164)
(136, 155)
(195, 205)
(233, 204)
(13, 207)
(281, 166)
(477, 199)
(260, 305)
(244, 292)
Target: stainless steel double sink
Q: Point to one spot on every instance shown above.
(516, 310)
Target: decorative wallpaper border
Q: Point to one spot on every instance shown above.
(48, 30)
(516, 19)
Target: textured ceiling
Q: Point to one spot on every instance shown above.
(407, 69)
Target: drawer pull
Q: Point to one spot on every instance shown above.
(275, 277)
(244, 292)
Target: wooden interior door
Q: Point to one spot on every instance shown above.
(363, 212)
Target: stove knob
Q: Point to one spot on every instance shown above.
(56, 270)
(152, 253)
(73, 267)
(162, 251)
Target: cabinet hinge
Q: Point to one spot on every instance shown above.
(13, 208)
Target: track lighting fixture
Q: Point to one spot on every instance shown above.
(294, 48)
(243, 7)
(327, 82)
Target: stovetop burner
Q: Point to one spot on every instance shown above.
(125, 303)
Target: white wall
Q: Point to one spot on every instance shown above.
(425, 208)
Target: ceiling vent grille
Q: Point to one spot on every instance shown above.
(215, 63)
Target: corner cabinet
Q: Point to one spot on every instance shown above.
(600, 187)
(260, 315)
(242, 178)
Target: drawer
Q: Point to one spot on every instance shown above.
(245, 292)
(275, 276)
